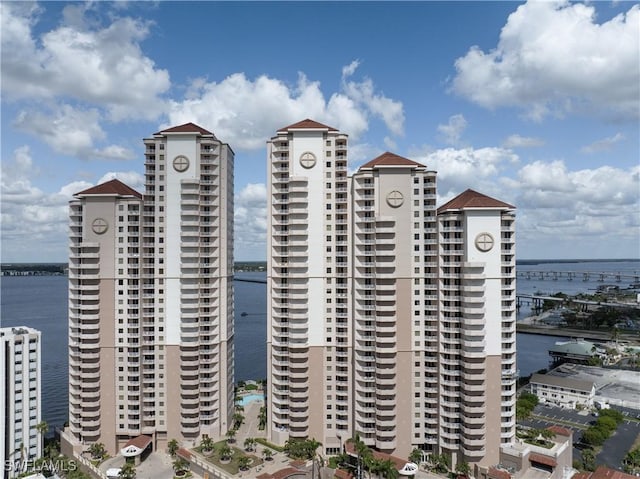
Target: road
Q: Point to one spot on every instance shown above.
(614, 449)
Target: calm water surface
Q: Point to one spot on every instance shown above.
(41, 302)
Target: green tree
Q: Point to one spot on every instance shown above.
(127, 471)
(463, 468)
(267, 453)
(249, 444)
(173, 447)
(588, 459)
(42, 427)
(180, 466)
(416, 456)
(206, 444)
(631, 462)
(262, 418)
(97, 450)
(238, 419)
(225, 452)
(231, 435)
(244, 462)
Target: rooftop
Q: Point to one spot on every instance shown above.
(391, 159)
(185, 128)
(110, 188)
(576, 384)
(471, 199)
(307, 124)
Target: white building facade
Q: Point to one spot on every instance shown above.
(20, 401)
(151, 298)
(387, 318)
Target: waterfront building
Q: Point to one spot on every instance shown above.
(151, 298)
(394, 319)
(563, 391)
(20, 401)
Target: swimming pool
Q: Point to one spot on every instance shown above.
(251, 398)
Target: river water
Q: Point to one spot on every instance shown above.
(41, 302)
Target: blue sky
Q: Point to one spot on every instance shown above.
(534, 103)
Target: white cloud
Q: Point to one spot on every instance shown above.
(604, 144)
(240, 110)
(553, 58)
(70, 131)
(453, 130)
(378, 105)
(459, 169)
(518, 141)
(250, 221)
(35, 224)
(101, 65)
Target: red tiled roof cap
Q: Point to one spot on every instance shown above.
(391, 159)
(604, 472)
(473, 199)
(184, 453)
(342, 474)
(140, 442)
(560, 431)
(495, 473)
(112, 187)
(186, 128)
(399, 463)
(542, 459)
(307, 124)
(281, 474)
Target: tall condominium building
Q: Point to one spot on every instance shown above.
(151, 298)
(20, 402)
(385, 313)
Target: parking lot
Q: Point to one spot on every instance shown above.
(614, 449)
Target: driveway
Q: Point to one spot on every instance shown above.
(157, 465)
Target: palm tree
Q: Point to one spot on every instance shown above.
(127, 471)
(463, 468)
(267, 453)
(388, 469)
(225, 452)
(416, 456)
(97, 450)
(249, 443)
(231, 435)
(173, 447)
(180, 466)
(42, 427)
(243, 463)
(238, 419)
(206, 444)
(262, 418)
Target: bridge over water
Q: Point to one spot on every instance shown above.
(583, 275)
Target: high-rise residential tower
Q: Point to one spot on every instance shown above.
(387, 318)
(20, 400)
(151, 298)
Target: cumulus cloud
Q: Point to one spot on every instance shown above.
(459, 169)
(518, 141)
(37, 221)
(554, 58)
(604, 144)
(70, 131)
(32, 220)
(240, 110)
(103, 65)
(595, 207)
(453, 130)
(250, 221)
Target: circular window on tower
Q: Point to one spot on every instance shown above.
(484, 242)
(308, 160)
(180, 163)
(99, 226)
(395, 199)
